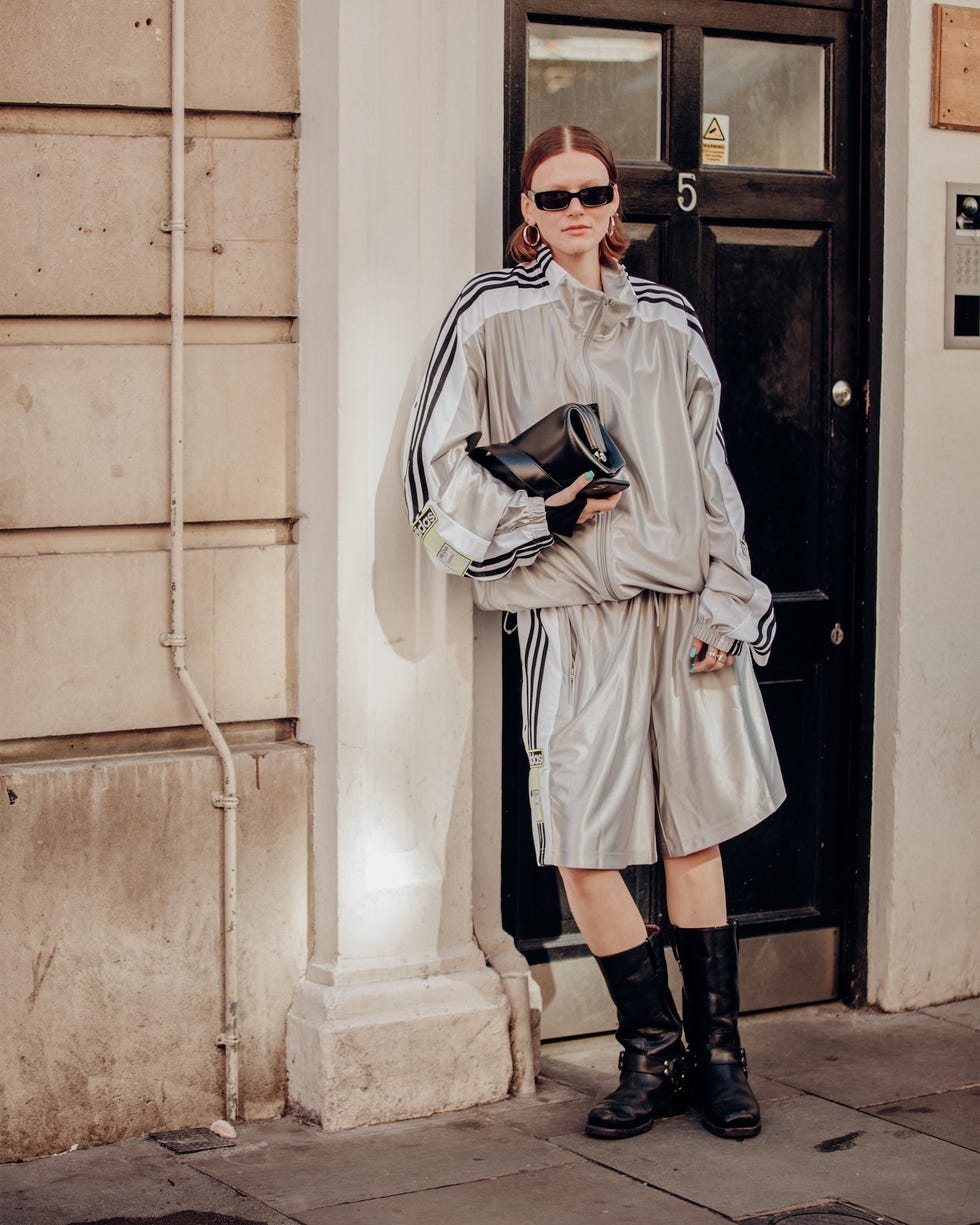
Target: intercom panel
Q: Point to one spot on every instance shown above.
(963, 265)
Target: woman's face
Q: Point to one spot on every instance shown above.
(576, 231)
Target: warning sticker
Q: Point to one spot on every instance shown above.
(714, 140)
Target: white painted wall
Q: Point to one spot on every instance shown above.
(924, 865)
(398, 1014)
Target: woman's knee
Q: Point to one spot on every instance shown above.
(681, 863)
(587, 880)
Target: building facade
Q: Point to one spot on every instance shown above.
(345, 164)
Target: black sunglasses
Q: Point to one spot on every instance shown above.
(556, 201)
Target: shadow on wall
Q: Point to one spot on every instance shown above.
(419, 608)
(426, 619)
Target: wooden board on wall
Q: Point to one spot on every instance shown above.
(955, 67)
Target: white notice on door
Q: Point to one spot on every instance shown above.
(714, 139)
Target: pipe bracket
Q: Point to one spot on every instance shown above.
(227, 1040)
(220, 800)
(173, 226)
(173, 640)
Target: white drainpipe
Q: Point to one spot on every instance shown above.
(176, 640)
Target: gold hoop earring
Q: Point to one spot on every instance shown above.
(536, 240)
(612, 225)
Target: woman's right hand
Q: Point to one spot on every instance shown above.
(593, 506)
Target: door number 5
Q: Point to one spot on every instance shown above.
(687, 193)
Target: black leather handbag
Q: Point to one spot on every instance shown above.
(555, 451)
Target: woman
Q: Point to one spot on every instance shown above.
(643, 721)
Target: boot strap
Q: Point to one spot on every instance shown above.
(738, 1057)
(651, 1065)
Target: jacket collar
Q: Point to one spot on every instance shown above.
(602, 310)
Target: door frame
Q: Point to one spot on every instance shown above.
(872, 15)
(871, 244)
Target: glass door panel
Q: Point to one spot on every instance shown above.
(608, 80)
(764, 104)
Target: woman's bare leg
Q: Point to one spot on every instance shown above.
(708, 954)
(648, 1026)
(696, 889)
(604, 909)
(606, 913)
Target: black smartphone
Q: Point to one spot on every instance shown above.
(605, 486)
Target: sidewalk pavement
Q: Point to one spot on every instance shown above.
(866, 1117)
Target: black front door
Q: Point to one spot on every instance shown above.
(736, 127)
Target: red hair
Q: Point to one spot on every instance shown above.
(564, 138)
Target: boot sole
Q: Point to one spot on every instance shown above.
(616, 1133)
(732, 1133)
(624, 1133)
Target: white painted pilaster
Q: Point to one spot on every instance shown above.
(925, 854)
(398, 1014)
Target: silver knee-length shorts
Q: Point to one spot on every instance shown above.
(628, 751)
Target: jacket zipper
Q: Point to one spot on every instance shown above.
(589, 334)
(602, 542)
(602, 546)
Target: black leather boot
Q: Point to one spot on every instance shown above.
(716, 1067)
(652, 1062)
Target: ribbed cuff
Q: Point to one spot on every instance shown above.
(713, 637)
(564, 519)
(537, 512)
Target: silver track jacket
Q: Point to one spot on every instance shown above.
(515, 345)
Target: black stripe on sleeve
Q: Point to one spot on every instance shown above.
(649, 291)
(767, 631)
(502, 563)
(444, 355)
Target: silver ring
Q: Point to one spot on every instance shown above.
(712, 655)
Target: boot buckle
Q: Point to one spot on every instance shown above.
(638, 1062)
(674, 1070)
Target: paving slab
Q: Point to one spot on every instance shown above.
(296, 1169)
(554, 1110)
(556, 1119)
(862, 1058)
(581, 1193)
(589, 1065)
(134, 1179)
(959, 1012)
(953, 1116)
(547, 1092)
(809, 1150)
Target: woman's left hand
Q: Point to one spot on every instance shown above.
(596, 506)
(592, 507)
(714, 658)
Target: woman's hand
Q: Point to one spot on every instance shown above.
(714, 658)
(593, 506)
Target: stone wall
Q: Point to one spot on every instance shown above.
(111, 848)
(112, 938)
